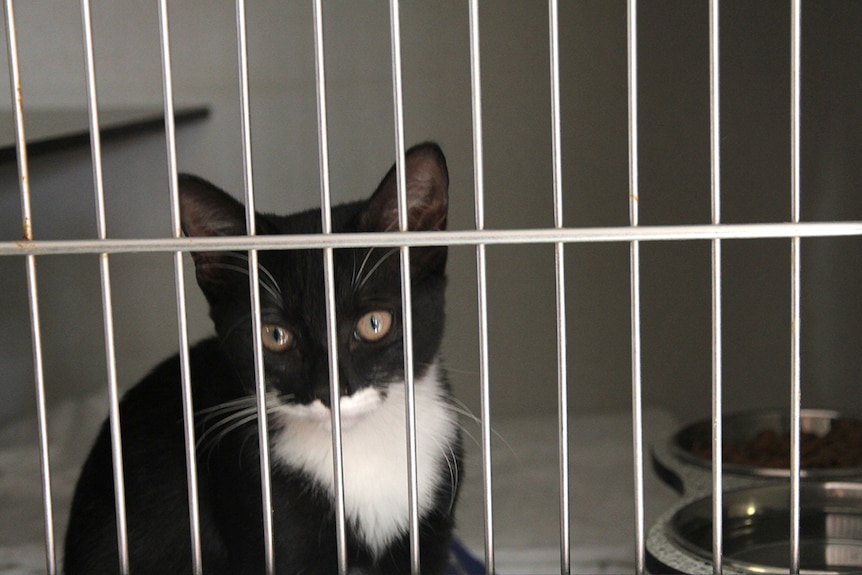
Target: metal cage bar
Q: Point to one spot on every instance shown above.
(180, 291)
(107, 298)
(481, 286)
(254, 289)
(32, 286)
(637, 392)
(406, 288)
(795, 281)
(586, 235)
(329, 289)
(560, 277)
(715, 197)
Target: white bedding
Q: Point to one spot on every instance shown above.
(525, 488)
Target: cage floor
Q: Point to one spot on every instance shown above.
(525, 487)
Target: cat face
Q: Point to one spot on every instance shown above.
(293, 308)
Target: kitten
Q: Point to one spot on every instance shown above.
(371, 366)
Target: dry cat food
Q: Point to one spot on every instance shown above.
(840, 447)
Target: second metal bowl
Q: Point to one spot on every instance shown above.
(744, 427)
(756, 530)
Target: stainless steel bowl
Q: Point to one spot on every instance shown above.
(742, 427)
(757, 528)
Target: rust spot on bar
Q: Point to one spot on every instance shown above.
(28, 230)
(27, 245)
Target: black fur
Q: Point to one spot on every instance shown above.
(292, 295)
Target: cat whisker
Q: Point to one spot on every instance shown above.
(450, 369)
(213, 411)
(438, 225)
(232, 415)
(454, 473)
(472, 437)
(271, 278)
(375, 267)
(239, 420)
(241, 270)
(451, 463)
(357, 275)
(460, 408)
(225, 425)
(242, 320)
(272, 400)
(262, 268)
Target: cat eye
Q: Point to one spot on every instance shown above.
(277, 338)
(373, 326)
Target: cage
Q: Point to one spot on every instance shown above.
(652, 222)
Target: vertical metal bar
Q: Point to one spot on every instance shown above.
(482, 285)
(715, 164)
(254, 291)
(107, 304)
(322, 118)
(93, 109)
(406, 290)
(32, 286)
(410, 403)
(179, 286)
(329, 287)
(398, 108)
(559, 260)
(485, 413)
(637, 406)
(18, 107)
(795, 281)
(41, 416)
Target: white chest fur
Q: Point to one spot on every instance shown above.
(374, 443)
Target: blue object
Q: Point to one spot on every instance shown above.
(461, 562)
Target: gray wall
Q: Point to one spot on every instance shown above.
(674, 183)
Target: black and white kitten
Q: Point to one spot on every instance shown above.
(370, 354)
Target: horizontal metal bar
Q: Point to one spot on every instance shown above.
(449, 238)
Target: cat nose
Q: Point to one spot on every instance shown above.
(325, 396)
(322, 388)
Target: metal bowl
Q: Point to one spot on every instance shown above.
(756, 528)
(742, 427)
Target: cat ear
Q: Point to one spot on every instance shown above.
(427, 182)
(206, 210)
(427, 194)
